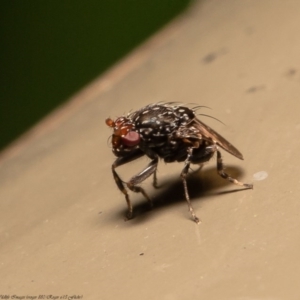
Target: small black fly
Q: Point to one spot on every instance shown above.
(167, 131)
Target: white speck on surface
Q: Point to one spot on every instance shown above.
(261, 175)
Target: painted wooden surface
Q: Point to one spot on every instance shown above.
(62, 227)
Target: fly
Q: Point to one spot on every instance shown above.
(169, 132)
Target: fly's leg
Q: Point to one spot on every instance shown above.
(199, 156)
(223, 174)
(205, 154)
(118, 162)
(143, 175)
(132, 183)
(123, 190)
(154, 183)
(183, 175)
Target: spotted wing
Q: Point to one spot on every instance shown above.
(211, 135)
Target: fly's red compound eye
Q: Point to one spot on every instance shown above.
(131, 139)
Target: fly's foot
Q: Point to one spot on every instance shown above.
(197, 220)
(128, 216)
(248, 185)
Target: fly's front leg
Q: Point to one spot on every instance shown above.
(123, 190)
(118, 162)
(132, 184)
(223, 174)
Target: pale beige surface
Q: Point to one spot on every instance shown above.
(62, 228)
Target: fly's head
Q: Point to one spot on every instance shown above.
(124, 138)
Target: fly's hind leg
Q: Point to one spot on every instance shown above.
(223, 174)
(201, 155)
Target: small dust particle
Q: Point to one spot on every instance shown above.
(261, 175)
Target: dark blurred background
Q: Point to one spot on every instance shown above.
(50, 49)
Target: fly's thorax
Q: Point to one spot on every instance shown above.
(157, 123)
